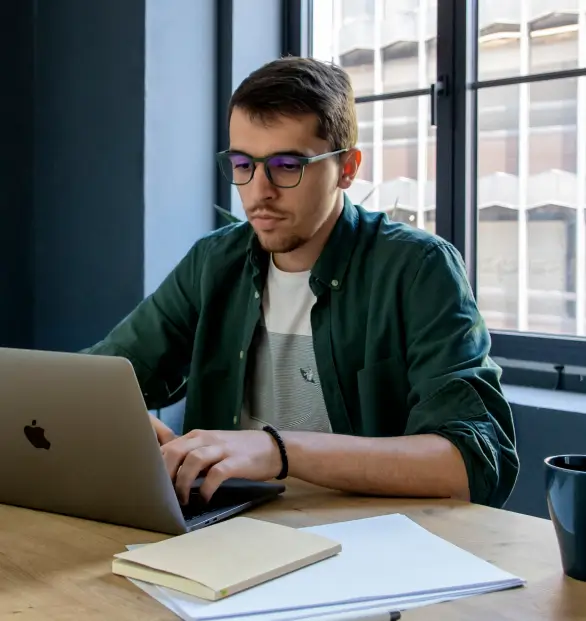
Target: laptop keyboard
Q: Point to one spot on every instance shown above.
(224, 498)
(196, 507)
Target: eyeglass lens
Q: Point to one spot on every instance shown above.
(283, 170)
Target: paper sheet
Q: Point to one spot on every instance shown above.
(187, 608)
(385, 561)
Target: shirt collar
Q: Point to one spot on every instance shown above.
(332, 265)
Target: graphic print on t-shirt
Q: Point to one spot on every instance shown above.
(283, 386)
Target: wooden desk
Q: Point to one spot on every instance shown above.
(58, 568)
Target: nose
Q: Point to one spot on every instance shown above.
(260, 187)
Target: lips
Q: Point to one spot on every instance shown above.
(266, 223)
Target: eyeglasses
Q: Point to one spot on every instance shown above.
(283, 170)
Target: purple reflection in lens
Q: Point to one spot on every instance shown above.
(286, 163)
(239, 161)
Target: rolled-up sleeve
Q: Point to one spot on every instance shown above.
(455, 389)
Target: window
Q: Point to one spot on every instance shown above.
(388, 48)
(531, 156)
(501, 173)
(527, 154)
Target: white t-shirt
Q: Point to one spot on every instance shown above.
(283, 387)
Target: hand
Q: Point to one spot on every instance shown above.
(220, 455)
(164, 434)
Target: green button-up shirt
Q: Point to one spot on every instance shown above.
(400, 345)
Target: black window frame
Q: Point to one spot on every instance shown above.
(534, 359)
(297, 27)
(223, 64)
(296, 36)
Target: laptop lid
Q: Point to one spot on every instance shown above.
(76, 439)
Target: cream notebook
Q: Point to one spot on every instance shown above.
(225, 558)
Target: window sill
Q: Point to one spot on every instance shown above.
(545, 399)
(547, 422)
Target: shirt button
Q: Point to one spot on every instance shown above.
(256, 295)
(241, 355)
(235, 420)
(335, 283)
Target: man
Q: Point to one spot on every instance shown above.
(316, 339)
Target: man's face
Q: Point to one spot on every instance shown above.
(285, 219)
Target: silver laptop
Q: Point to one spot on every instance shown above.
(76, 439)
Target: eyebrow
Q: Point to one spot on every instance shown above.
(275, 154)
(291, 152)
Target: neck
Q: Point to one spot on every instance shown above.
(303, 258)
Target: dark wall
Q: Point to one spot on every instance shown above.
(541, 432)
(89, 181)
(16, 176)
(107, 123)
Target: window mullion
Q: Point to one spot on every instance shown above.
(581, 178)
(523, 150)
(456, 129)
(423, 115)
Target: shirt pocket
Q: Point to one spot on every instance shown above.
(382, 392)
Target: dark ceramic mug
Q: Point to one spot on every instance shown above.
(565, 484)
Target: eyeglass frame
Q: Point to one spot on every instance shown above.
(304, 160)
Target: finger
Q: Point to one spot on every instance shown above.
(216, 475)
(195, 462)
(176, 451)
(164, 434)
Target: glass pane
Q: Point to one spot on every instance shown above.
(397, 174)
(385, 45)
(551, 275)
(497, 266)
(518, 37)
(531, 184)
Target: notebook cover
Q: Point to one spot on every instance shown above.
(225, 558)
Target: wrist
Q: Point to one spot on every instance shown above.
(294, 443)
(281, 468)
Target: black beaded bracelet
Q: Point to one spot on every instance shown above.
(277, 437)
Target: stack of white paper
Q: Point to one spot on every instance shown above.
(387, 563)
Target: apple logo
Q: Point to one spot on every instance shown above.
(36, 436)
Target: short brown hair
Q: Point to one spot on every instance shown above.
(294, 86)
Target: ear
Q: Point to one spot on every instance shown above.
(350, 167)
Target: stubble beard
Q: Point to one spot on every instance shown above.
(280, 245)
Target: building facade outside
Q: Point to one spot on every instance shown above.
(531, 143)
